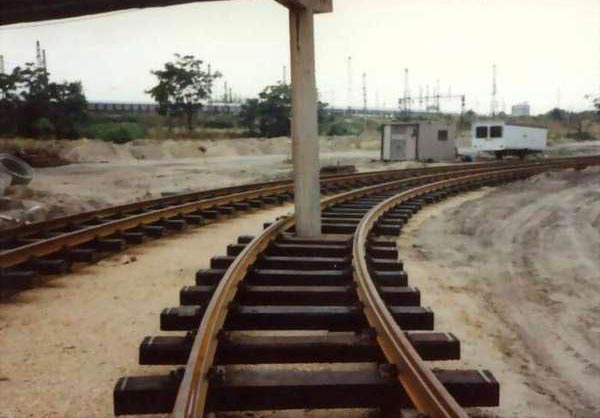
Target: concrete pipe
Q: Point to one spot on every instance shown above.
(20, 172)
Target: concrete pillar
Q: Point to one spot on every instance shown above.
(305, 134)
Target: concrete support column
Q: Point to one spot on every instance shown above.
(305, 133)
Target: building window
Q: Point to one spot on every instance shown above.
(496, 131)
(481, 132)
(443, 135)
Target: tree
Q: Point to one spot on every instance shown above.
(249, 115)
(557, 114)
(467, 120)
(597, 106)
(182, 86)
(68, 109)
(270, 114)
(9, 101)
(32, 106)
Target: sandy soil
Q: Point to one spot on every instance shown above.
(94, 151)
(514, 272)
(575, 148)
(64, 345)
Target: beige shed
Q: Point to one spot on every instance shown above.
(418, 140)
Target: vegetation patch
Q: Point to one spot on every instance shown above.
(117, 132)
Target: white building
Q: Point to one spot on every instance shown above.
(521, 109)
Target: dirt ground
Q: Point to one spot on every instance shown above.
(514, 272)
(64, 345)
(103, 175)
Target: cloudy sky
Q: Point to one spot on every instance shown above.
(547, 51)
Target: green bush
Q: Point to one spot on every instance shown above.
(119, 133)
(217, 121)
(344, 127)
(43, 128)
(580, 136)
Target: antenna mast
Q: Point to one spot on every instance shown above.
(349, 84)
(364, 76)
(494, 107)
(406, 92)
(38, 54)
(437, 95)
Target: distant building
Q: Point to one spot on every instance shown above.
(419, 140)
(149, 107)
(521, 109)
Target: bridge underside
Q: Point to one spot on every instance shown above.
(21, 11)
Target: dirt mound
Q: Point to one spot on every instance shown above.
(46, 153)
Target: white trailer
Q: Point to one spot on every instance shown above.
(502, 138)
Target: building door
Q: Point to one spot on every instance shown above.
(401, 136)
(398, 149)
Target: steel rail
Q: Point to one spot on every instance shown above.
(15, 256)
(425, 391)
(12, 257)
(176, 199)
(18, 255)
(193, 390)
(36, 227)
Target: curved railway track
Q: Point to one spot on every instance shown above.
(288, 323)
(51, 247)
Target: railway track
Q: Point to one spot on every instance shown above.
(33, 251)
(282, 322)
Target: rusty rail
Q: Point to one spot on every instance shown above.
(177, 206)
(25, 230)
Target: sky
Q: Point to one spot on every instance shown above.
(547, 52)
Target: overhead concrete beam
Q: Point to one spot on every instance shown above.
(317, 6)
(22, 11)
